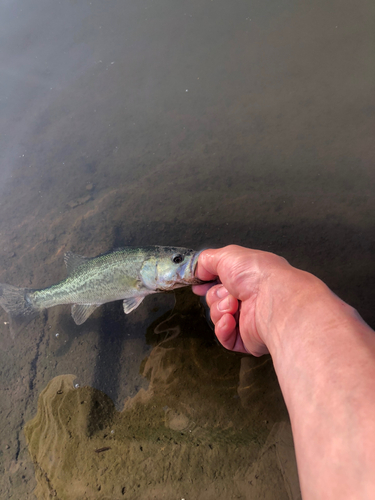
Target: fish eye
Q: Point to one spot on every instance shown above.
(177, 259)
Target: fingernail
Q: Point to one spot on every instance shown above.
(222, 292)
(223, 305)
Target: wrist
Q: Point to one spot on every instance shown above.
(299, 305)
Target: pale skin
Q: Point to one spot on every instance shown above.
(323, 354)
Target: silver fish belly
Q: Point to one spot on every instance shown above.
(128, 274)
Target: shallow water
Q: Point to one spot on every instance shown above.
(177, 123)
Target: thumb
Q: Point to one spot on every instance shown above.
(207, 265)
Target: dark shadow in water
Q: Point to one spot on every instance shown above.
(110, 345)
(111, 338)
(204, 408)
(339, 254)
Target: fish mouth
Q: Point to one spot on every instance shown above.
(193, 268)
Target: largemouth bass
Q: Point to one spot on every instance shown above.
(128, 274)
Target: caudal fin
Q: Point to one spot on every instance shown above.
(16, 302)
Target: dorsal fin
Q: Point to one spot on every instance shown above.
(73, 261)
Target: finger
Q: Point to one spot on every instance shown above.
(227, 263)
(216, 293)
(228, 305)
(206, 269)
(227, 333)
(209, 260)
(202, 289)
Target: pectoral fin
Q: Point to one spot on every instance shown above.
(131, 303)
(81, 312)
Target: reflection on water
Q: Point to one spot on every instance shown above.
(209, 424)
(196, 124)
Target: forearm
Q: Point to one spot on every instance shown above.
(324, 356)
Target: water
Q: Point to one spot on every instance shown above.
(176, 123)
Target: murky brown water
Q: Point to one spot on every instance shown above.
(176, 123)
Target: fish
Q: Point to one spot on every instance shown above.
(128, 274)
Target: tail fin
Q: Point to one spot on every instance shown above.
(16, 302)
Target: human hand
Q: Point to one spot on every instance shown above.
(253, 292)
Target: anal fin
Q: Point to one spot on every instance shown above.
(131, 303)
(81, 312)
